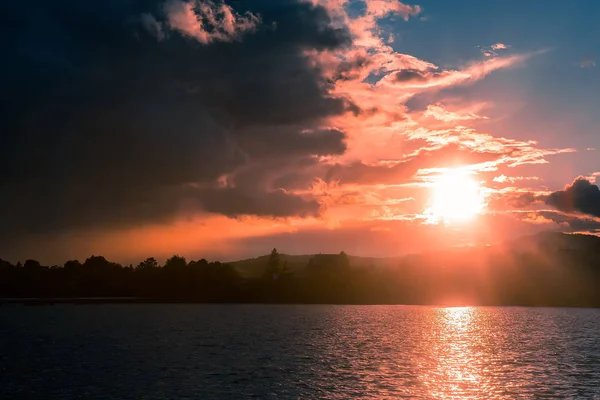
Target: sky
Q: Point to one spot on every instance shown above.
(216, 129)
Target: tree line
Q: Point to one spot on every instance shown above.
(545, 274)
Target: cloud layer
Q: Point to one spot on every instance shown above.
(121, 116)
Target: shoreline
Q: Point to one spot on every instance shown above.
(29, 301)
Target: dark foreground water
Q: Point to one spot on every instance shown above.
(144, 351)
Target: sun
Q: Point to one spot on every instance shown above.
(457, 197)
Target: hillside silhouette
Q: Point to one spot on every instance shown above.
(548, 269)
(254, 267)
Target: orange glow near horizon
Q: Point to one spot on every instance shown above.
(457, 197)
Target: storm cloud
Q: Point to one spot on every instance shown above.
(117, 113)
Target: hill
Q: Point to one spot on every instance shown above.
(255, 267)
(541, 243)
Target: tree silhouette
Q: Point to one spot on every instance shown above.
(72, 265)
(273, 269)
(550, 269)
(148, 264)
(176, 262)
(31, 264)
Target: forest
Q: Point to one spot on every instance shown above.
(549, 269)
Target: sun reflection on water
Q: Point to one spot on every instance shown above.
(457, 358)
(458, 317)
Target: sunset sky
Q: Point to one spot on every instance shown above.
(221, 130)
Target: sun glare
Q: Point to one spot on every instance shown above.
(457, 197)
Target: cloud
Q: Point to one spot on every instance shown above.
(362, 173)
(207, 21)
(381, 8)
(582, 196)
(588, 63)
(509, 152)
(235, 202)
(415, 79)
(572, 223)
(500, 46)
(128, 124)
(593, 177)
(512, 179)
(396, 172)
(152, 26)
(439, 112)
(514, 199)
(521, 200)
(493, 50)
(579, 196)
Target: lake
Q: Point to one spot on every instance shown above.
(191, 351)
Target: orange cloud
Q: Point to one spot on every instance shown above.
(439, 112)
(415, 79)
(512, 179)
(208, 22)
(500, 46)
(388, 145)
(380, 8)
(593, 177)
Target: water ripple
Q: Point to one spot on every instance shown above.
(298, 352)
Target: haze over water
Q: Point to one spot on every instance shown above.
(147, 351)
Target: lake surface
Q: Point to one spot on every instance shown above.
(186, 351)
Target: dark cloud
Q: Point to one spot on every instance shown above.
(580, 196)
(291, 141)
(521, 200)
(351, 69)
(410, 75)
(361, 173)
(511, 200)
(109, 117)
(575, 224)
(235, 202)
(417, 78)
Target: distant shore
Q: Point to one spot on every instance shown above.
(159, 300)
(549, 270)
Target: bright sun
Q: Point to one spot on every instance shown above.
(457, 197)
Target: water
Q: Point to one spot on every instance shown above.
(145, 351)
